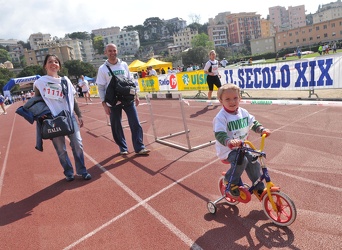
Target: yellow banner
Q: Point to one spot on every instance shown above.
(149, 84)
(93, 90)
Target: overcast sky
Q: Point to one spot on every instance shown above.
(20, 18)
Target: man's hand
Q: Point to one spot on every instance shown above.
(137, 101)
(106, 108)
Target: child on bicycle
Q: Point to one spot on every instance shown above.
(231, 127)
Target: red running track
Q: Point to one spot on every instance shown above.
(159, 201)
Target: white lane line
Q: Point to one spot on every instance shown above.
(141, 202)
(306, 180)
(2, 175)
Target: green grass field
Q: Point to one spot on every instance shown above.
(293, 58)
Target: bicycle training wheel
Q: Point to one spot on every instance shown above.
(286, 213)
(222, 189)
(211, 207)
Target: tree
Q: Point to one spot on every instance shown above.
(5, 76)
(31, 71)
(202, 40)
(98, 44)
(154, 26)
(4, 56)
(79, 35)
(76, 68)
(196, 55)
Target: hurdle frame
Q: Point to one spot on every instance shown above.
(186, 131)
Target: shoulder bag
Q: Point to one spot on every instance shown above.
(120, 89)
(61, 124)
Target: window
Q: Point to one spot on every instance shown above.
(317, 28)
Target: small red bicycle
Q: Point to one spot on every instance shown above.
(277, 206)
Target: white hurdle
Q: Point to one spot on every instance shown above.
(162, 139)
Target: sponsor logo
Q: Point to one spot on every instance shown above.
(173, 82)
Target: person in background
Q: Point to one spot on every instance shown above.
(2, 104)
(231, 127)
(162, 71)
(83, 83)
(143, 73)
(213, 76)
(224, 62)
(151, 71)
(57, 102)
(120, 69)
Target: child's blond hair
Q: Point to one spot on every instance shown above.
(227, 87)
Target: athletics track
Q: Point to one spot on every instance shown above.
(159, 201)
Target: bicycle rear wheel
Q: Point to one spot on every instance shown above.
(286, 213)
(222, 189)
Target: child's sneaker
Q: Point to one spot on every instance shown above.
(258, 192)
(234, 191)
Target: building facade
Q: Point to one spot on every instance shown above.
(127, 42)
(106, 31)
(243, 27)
(319, 33)
(328, 12)
(285, 19)
(36, 57)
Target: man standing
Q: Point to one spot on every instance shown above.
(151, 71)
(120, 69)
(224, 62)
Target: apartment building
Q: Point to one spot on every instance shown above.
(15, 51)
(285, 19)
(267, 28)
(37, 56)
(263, 45)
(323, 32)
(127, 42)
(184, 37)
(106, 31)
(38, 40)
(328, 12)
(243, 26)
(218, 34)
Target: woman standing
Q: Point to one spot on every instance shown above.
(50, 88)
(213, 76)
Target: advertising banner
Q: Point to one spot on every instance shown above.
(312, 73)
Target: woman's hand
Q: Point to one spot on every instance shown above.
(80, 122)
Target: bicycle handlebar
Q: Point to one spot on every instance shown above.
(262, 143)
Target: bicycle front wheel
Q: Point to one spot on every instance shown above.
(286, 211)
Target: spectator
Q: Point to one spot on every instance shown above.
(57, 102)
(143, 73)
(224, 62)
(162, 71)
(151, 71)
(2, 104)
(83, 83)
(320, 49)
(103, 79)
(334, 47)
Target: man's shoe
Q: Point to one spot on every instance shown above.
(86, 176)
(70, 178)
(144, 151)
(210, 104)
(123, 153)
